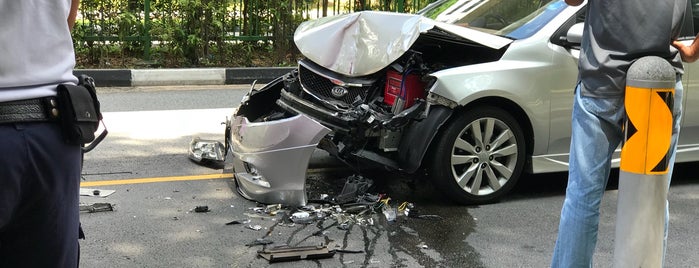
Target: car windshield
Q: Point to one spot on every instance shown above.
(515, 19)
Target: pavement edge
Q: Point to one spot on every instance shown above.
(185, 76)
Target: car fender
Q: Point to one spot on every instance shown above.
(418, 136)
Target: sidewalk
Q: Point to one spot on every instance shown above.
(187, 76)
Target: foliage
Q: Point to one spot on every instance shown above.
(200, 33)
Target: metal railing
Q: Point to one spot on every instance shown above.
(196, 28)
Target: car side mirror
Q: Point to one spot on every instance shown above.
(575, 33)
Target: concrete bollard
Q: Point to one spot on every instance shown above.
(644, 168)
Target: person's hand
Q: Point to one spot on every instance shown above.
(574, 2)
(687, 53)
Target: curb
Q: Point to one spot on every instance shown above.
(179, 77)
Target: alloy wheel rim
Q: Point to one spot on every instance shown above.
(483, 156)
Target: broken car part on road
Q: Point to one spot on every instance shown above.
(96, 207)
(203, 151)
(284, 253)
(318, 212)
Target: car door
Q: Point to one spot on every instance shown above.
(688, 148)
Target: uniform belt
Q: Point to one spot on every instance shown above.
(31, 110)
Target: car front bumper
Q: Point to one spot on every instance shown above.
(271, 158)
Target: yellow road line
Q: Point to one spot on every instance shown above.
(159, 179)
(182, 178)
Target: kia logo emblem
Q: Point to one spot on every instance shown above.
(338, 92)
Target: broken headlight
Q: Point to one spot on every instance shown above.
(206, 150)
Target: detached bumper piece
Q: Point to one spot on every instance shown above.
(281, 254)
(271, 158)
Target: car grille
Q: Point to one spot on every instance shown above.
(321, 87)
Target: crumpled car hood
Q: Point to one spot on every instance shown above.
(363, 43)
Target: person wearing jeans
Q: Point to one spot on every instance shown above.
(589, 171)
(616, 33)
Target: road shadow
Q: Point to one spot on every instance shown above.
(684, 173)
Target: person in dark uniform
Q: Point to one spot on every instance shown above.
(39, 171)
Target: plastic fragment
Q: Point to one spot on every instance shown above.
(390, 213)
(97, 207)
(259, 242)
(201, 209)
(302, 217)
(355, 187)
(254, 227)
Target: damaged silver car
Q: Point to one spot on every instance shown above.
(474, 92)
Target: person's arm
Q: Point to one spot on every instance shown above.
(574, 2)
(73, 13)
(688, 53)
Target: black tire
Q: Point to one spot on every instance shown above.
(490, 166)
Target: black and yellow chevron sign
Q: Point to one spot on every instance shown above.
(648, 130)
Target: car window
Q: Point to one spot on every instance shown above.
(512, 18)
(533, 22)
(690, 26)
(695, 16)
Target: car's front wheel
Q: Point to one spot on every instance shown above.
(479, 156)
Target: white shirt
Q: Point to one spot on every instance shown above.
(36, 48)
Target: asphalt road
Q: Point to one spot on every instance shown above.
(157, 188)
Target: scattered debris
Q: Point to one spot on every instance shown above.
(387, 210)
(353, 206)
(302, 217)
(259, 242)
(285, 253)
(422, 245)
(95, 192)
(237, 222)
(273, 209)
(360, 212)
(355, 186)
(255, 227)
(96, 207)
(348, 251)
(201, 209)
(390, 213)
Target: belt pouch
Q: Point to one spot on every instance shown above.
(78, 113)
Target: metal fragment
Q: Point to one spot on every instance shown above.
(96, 207)
(282, 254)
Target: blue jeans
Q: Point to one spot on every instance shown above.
(596, 133)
